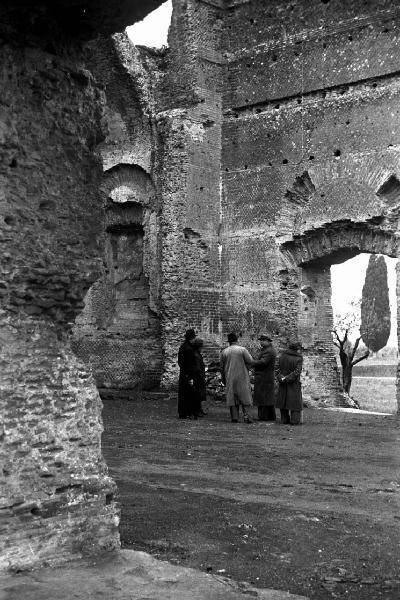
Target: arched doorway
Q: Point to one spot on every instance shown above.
(118, 332)
(313, 253)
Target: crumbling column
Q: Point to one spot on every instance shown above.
(56, 498)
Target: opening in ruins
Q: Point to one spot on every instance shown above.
(373, 377)
(153, 30)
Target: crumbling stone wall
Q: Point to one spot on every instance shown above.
(188, 175)
(118, 332)
(259, 138)
(309, 141)
(56, 498)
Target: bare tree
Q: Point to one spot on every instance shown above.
(350, 352)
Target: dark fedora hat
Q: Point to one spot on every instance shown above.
(294, 345)
(190, 334)
(265, 336)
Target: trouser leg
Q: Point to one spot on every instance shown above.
(234, 410)
(246, 417)
(295, 417)
(262, 413)
(270, 413)
(285, 418)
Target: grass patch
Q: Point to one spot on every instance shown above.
(375, 393)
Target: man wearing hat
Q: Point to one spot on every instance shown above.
(290, 400)
(235, 364)
(188, 405)
(264, 379)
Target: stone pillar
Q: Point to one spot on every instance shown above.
(315, 321)
(56, 499)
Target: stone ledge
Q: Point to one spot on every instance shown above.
(136, 575)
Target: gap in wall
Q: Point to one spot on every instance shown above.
(153, 30)
(374, 379)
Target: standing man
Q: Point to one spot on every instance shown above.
(188, 370)
(264, 379)
(235, 364)
(200, 377)
(290, 400)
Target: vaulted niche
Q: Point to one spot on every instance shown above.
(124, 257)
(118, 332)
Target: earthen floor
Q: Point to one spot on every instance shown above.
(313, 510)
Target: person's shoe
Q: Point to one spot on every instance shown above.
(247, 419)
(234, 421)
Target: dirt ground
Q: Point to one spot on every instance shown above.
(312, 509)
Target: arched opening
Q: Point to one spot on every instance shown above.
(313, 254)
(373, 383)
(118, 332)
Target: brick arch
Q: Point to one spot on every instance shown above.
(119, 329)
(311, 255)
(127, 183)
(338, 241)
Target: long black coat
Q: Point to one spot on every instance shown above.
(188, 398)
(289, 365)
(200, 377)
(264, 377)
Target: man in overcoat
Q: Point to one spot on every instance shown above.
(264, 379)
(235, 364)
(200, 377)
(187, 361)
(288, 371)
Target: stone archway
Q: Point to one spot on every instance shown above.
(118, 332)
(313, 253)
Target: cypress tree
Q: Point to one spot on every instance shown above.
(375, 308)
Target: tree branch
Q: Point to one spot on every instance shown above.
(363, 357)
(354, 350)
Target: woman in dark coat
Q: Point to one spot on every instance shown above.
(288, 371)
(264, 379)
(187, 398)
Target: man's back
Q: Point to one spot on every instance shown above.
(235, 364)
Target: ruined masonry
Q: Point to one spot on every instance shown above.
(211, 184)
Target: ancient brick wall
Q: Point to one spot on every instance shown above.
(309, 139)
(56, 498)
(189, 178)
(118, 332)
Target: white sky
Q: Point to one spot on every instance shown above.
(153, 30)
(348, 280)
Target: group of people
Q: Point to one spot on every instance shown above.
(276, 380)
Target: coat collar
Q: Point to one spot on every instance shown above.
(292, 352)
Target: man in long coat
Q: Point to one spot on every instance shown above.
(288, 371)
(200, 377)
(235, 364)
(264, 379)
(188, 404)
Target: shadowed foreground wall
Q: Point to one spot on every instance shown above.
(56, 499)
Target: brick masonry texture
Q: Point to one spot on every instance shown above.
(209, 185)
(56, 498)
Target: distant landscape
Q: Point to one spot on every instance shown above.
(374, 384)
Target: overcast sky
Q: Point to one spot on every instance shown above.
(153, 30)
(347, 278)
